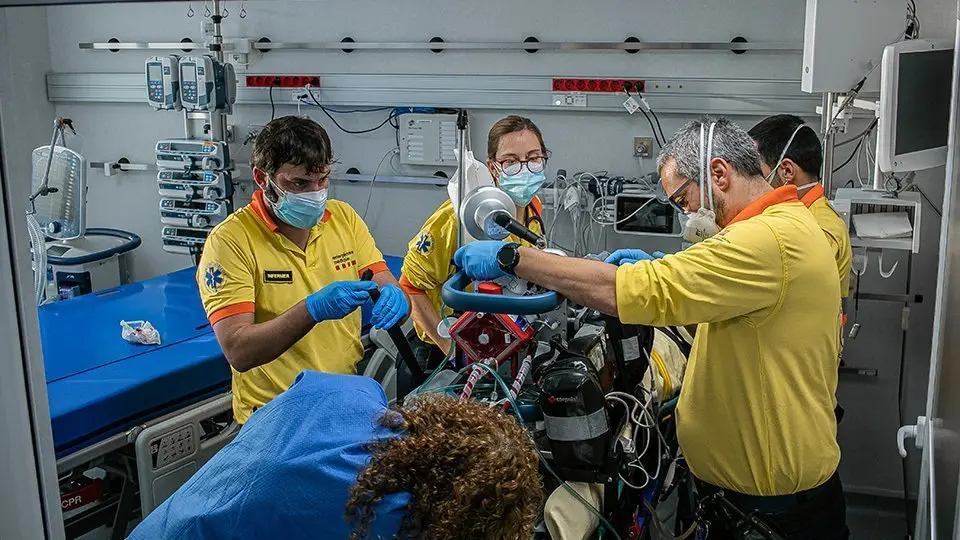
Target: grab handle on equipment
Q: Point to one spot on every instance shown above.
(399, 339)
(455, 297)
(131, 242)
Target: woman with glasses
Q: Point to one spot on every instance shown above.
(516, 158)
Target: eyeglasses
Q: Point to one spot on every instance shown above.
(675, 198)
(511, 167)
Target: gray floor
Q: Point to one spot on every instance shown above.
(876, 518)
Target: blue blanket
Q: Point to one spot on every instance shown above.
(287, 473)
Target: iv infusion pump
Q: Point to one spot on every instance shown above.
(190, 185)
(163, 85)
(193, 213)
(180, 154)
(183, 240)
(207, 85)
(194, 83)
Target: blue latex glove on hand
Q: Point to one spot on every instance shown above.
(390, 308)
(479, 260)
(630, 256)
(339, 299)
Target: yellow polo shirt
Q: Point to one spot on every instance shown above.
(836, 232)
(756, 407)
(248, 266)
(429, 260)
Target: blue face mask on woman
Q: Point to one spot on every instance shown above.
(523, 186)
(299, 210)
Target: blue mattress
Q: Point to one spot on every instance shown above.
(99, 385)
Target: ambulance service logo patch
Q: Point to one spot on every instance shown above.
(344, 261)
(425, 243)
(213, 277)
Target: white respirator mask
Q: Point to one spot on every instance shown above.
(702, 224)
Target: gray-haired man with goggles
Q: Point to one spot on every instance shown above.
(755, 417)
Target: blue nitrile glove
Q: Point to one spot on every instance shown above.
(390, 308)
(479, 259)
(339, 299)
(630, 256)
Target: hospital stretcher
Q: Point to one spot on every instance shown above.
(150, 414)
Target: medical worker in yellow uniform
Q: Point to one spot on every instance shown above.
(791, 154)
(516, 160)
(279, 278)
(755, 415)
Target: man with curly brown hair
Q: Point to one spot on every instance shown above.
(327, 459)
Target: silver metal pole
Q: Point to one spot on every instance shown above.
(463, 125)
(826, 127)
(879, 182)
(218, 119)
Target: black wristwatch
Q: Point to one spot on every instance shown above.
(509, 257)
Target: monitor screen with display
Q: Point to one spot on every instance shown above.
(154, 73)
(180, 232)
(916, 86)
(643, 214)
(923, 100)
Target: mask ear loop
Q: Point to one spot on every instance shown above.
(783, 154)
(703, 166)
(706, 166)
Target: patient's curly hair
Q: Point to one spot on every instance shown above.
(471, 472)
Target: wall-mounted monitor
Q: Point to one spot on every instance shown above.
(914, 116)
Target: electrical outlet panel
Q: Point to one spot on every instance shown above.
(608, 86)
(428, 139)
(282, 81)
(643, 147)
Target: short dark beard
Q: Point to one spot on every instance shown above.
(719, 210)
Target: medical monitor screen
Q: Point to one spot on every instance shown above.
(153, 72)
(654, 218)
(185, 233)
(185, 147)
(923, 100)
(189, 74)
(189, 205)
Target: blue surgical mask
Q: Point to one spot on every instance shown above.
(523, 186)
(299, 210)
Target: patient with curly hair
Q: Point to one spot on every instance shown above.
(328, 459)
